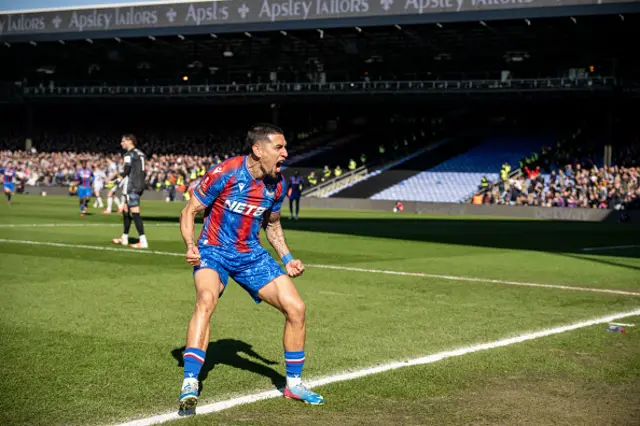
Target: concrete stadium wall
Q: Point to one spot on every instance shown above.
(523, 212)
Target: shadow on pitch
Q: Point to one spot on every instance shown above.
(603, 261)
(227, 351)
(551, 236)
(536, 235)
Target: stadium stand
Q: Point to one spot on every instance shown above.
(180, 142)
(456, 179)
(382, 172)
(367, 142)
(572, 173)
(189, 97)
(604, 188)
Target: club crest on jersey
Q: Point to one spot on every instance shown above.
(270, 190)
(243, 208)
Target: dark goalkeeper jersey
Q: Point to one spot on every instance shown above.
(134, 170)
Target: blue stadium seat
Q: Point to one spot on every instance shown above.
(457, 179)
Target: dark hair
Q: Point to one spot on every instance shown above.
(260, 132)
(131, 137)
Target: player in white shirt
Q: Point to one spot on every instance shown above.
(114, 171)
(99, 178)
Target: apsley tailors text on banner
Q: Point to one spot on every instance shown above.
(109, 20)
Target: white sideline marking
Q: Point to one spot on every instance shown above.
(610, 248)
(622, 324)
(248, 399)
(341, 268)
(82, 246)
(74, 225)
(473, 279)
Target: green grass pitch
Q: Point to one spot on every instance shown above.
(93, 337)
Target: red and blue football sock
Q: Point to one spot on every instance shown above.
(193, 362)
(294, 361)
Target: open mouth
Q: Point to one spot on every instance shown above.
(278, 166)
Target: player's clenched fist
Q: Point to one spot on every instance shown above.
(295, 268)
(193, 256)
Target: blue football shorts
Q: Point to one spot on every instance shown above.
(84, 192)
(251, 271)
(10, 187)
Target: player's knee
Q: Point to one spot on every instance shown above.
(206, 301)
(295, 311)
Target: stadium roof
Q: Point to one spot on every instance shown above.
(545, 47)
(187, 18)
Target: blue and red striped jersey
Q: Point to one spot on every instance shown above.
(8, 174)
(84, 176)
(236, 204)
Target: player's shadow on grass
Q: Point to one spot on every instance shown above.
(227, 351)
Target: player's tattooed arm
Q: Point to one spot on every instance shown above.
(275, 234)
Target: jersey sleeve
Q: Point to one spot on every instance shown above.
(127, 164)
(281, 192)
(211, 185)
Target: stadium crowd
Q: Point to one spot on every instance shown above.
(58, 157)
(571, 174)
(176, 158)
(571, 186)
(170, 171)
